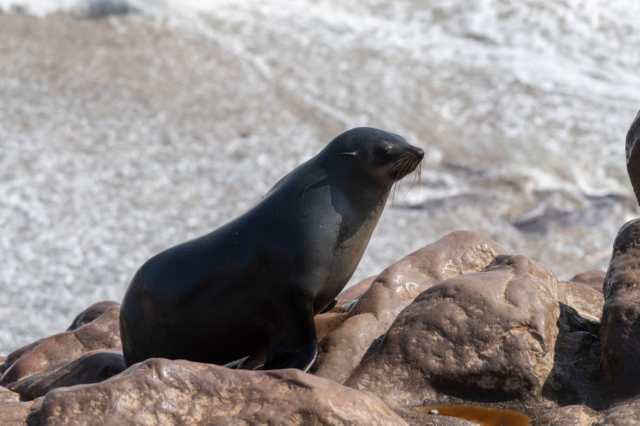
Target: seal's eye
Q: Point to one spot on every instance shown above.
(383, 150)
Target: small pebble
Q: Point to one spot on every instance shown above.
(433, 411)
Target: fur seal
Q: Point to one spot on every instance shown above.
(255, 283)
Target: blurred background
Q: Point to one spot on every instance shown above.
(127, 127)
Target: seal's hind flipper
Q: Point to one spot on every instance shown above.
(330, 306)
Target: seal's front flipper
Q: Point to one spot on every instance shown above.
(292, 337)
(301, 357)
(330, 306)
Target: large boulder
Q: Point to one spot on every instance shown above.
(486, 336)
(97, 328)
(620, 326)
(358, 324)
(159, 391)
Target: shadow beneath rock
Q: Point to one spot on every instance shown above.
(576, 377)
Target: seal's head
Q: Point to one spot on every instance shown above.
(374, 155)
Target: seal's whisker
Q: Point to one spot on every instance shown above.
(419, 178)
(403, 170)
(413, 181)
(417, 173)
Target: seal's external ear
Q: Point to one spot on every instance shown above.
(349, 154)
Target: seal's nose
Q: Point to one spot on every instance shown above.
(418, 153)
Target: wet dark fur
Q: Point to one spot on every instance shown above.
(257, 281)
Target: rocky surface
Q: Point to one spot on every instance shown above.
(576, 377)
(8, 396)
(620, 333)
(14, 412)
(487, 335)
(461, 321)
(584, 299)
(624, 414)
(593, 278)
(160, 391)
(570, 415)
(360, 323)
(90, 367)
(95, 329)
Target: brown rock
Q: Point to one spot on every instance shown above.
(486, 335)
(8, 396)
(593, 278)
(159, 391)
(352, 293)
(625, 414)
(54, 351)
(571, 415)
(418, 418)
(633, 155)
(90, 367)
(620, 333)
(329, 321)
(587, 301)
(341, 352)
(14, 413)
(457, 253)
(92, 313)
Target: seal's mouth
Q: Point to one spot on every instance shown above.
(407, 163)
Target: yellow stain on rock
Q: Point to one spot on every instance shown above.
(480, 415)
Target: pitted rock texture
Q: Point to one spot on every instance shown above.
(90, 367)
(160, 391)
(620, 326)
(624, 414)
(16, 413)
(584, 299)
(103, 332)
(571, 415)
(489, 334)
(593, 278)
(8, 396)
(632, 150)
(359, 324)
